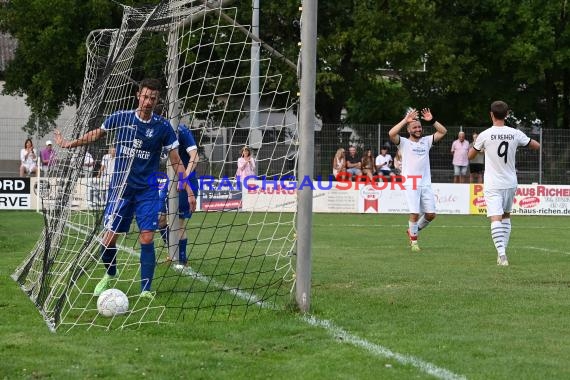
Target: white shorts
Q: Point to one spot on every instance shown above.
(499, 201)
(29, 167)
(421, 200)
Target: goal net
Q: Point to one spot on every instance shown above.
(240, 241)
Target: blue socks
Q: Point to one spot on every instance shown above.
(148, 261)
(164, 232)
(182, 251)
(109, 257)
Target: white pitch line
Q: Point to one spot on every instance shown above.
(377, 350)
(249, 297)
(547, 250)
(429, 368)
(337, 332)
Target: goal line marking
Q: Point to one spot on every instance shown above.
(337, 332)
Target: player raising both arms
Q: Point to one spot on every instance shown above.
(415, 162)
(500, 143)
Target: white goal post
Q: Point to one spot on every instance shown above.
(238, 259)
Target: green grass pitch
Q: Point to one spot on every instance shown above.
(383, 312)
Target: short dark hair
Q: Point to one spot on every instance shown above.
(499, 109)
(151, 84)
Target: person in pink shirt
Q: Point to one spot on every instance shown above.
(460, 149)
(246, 164)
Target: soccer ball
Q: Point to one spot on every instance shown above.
(112, 302)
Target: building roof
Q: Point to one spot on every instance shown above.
(8, 46)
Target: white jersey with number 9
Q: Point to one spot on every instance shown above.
(500, 144)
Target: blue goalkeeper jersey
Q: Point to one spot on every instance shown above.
(187, 144)
(140, 142)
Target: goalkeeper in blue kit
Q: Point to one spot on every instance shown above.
(188, 152)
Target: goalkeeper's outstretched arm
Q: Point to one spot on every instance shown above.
(86, 139)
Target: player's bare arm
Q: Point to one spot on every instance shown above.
(440, 130)
(533, 145)
(194, 159)
(86, 139)
(178, 167)
(472, 153)
(394, 132)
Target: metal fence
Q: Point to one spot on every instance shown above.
(550, 165)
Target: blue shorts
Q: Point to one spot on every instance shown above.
(120, 211)
(354, 171)
(183, 204)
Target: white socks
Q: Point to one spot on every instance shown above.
(506, 231)
(413, 229)
(498, 236)
(423, 222)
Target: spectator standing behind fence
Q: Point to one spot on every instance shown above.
(367, 164)
(353, 162)
(88, 165)
(384, 162)
(107, 164)
(338, 162)
(477, 164)
(246, 164)
(415, 162)
(47, 156)
(500, 183)
(460, 149)
(28, 159)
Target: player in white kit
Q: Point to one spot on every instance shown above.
(415, 164)
(500, 180)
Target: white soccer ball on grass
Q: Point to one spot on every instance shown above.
(112, 302)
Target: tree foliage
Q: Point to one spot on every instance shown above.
(511, 50)
(370, 55)
(49, 63)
